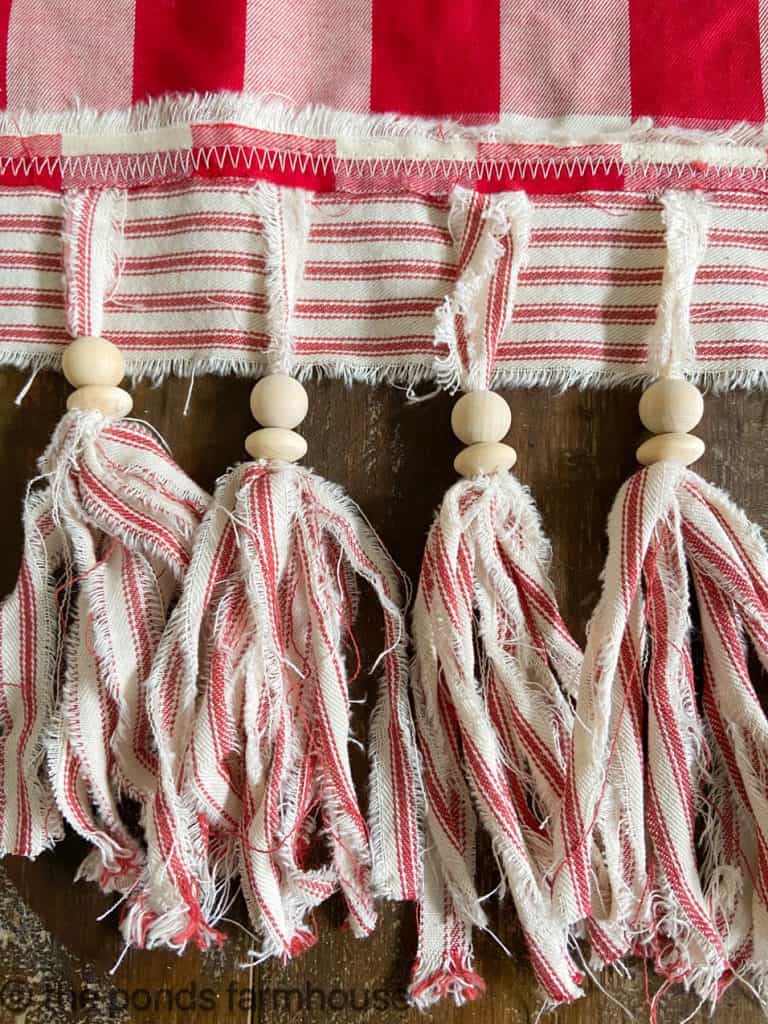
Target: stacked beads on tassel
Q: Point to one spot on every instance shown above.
(486, 631)
(279, 403)
(669, 750)
(493, 660)
(256, 788)
(108, 527)
(95, 367)
(481, 419)
(670, 408)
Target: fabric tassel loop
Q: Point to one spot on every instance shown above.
(256, 773)
(662, 835)
(108, 532)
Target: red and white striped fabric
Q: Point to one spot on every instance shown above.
(492, 236)
(250, 697)
(493, 662)
(309, 186)
(255, 765)
(92, 227)
(108, 531)
(659, 836)
(675, 792)
(30, 819)
(494, 731)
(107, 541)
(533, 60)
(364, 104)
(190, 294)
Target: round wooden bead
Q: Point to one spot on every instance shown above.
(681, 448)
(93, 361)
(108, 400)
(279, 401)
(485, 457)
(480, 416)
(671, 406)
(276, 443)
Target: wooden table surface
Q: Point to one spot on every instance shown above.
(395, 459)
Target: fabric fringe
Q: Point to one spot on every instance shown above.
(108, 527)
(493, 669)
(410, 375)
(285, 219)
(91, 240)
(669, 765)
(255, 767)
(98, 138)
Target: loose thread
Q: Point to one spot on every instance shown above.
(25, 390)
(189, 391)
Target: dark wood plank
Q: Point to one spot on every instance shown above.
(395, 459)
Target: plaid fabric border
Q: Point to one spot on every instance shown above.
(699, 64)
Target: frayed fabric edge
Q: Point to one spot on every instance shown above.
(406, 375)
(319, 121)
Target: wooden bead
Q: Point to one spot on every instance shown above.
(671, 406)
(279, 401)
(480, 416)
(93, 361)
(485, 457)
(681, 448)
(108, 400)
(276, 443)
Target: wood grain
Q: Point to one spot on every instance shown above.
(395, 458)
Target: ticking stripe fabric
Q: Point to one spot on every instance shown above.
(108, 529)
(473, 59)
(494, 664)
(250, 704)
(190, 292)
(668, 761)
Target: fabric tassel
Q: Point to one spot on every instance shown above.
(494, 662)
(108, 528)
(685, 771)
(250, 689)
(670, 749)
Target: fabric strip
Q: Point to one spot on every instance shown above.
(190, 293)
(223, 134)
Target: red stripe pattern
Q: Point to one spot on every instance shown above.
(492, 235)
(493, 731)
(191, 292)
(255, 763)
(107, 540)
(674, 791)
